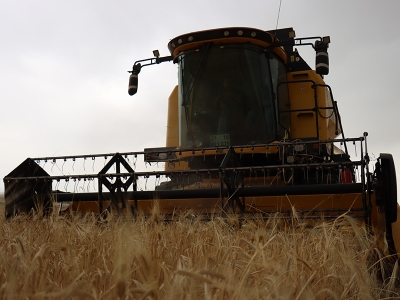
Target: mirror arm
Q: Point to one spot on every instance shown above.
(148, 62)
(137, 66)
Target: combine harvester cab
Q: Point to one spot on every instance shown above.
(252, 130)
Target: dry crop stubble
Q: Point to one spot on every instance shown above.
(79, 258)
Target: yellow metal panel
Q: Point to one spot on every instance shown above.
(302, 97)
(304, 205)
(172, 120)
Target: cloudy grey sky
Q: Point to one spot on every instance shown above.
(63, 85)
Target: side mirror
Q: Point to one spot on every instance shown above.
(133, 84)
(133, 79)
(322, 58)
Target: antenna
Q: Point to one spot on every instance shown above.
(277, 19)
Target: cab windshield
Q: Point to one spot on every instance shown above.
(227, 96)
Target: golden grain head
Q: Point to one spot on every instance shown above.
(81, 258)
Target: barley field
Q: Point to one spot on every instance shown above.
(80, 258)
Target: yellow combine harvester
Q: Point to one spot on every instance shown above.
(252, 129)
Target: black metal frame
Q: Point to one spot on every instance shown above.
(120, 186)
(316, 108)
(118, 189)
(233, 181)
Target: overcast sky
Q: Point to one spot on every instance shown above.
(63, 85)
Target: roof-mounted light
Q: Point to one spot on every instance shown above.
(326, 39)
(156, 53)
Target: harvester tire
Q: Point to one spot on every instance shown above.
(389, 195)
